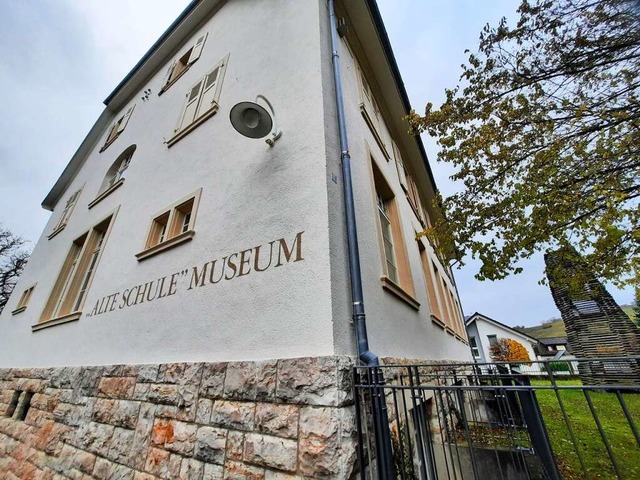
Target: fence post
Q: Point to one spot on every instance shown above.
(537, 430)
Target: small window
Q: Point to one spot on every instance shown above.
(493, 339)
(15, 398)
(72, 285)
(117, 128)
(178, 67)
(201, 102)
(24, 300)
(173, 226)
(475, 351)
(23, 409)
(115, 175)
(66, 214)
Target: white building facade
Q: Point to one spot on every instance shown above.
(175, 239)
(221, 282)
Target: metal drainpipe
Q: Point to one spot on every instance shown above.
(359, 317)
(379, 406)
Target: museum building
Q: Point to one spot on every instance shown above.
(188, 311)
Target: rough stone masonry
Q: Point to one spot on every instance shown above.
(272, 420)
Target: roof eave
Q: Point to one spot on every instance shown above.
(391, 60)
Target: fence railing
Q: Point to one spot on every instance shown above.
(500, 420)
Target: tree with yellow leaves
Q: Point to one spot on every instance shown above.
(508, 350)
(544, 132)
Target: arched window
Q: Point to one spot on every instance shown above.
(117, 169)
(115, 175)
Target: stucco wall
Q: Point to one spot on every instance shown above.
(395, 328)
(251, 195)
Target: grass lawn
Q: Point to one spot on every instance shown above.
(585, 430)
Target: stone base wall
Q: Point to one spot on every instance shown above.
(281, 419)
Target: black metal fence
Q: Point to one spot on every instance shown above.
(534, 420)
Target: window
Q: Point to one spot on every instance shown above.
(115, 175)
(66, 214)
(371, 112)
(475, 351)
(493, 339)
(171, 227)
(70, 290)
(117, 128)
(181, 65)
(201, 102)
(24, 300)
(384, 207)
(397, 276)
(434, 306)
(409, 186)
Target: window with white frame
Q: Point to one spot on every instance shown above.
(66, 214)
(71, 287)
(117, 128)
(201, 102)
(171, 227)
(387, 237)
(178, 67)
(475, 351)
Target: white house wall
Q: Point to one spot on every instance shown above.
(395, 329)
(484, 328)
(251, 195)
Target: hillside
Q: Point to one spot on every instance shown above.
(555, 327)
(550, 328)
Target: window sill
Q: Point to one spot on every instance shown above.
(374, 130)
(167, 86)
(19, 310)
(166, 245)
(107, 145)
(187, 130)
(72, 317)
(438, 322)
(106, 193)
(390, 286)
(56, 231)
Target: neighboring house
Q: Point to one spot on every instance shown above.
(549, 347)
(483, 331)
(173, 238)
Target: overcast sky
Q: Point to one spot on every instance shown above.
(60, 58)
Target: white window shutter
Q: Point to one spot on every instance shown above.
(190, 109)
(167, 76)
(197, 49)
(209, 89)
(125, 119)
